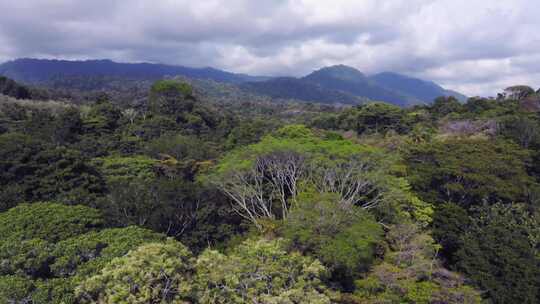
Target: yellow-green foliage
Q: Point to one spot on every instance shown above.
(259, 271)
(152, 273)
(119, 168)
(412, 274)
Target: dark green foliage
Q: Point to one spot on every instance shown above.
(469, 171)
(103, 117)
(11, 88)
(450, 223)
(181, 147)
(170, 97)
(502, 262)
(379, 118)
(445, 105)
(68, 126)
(31, 170)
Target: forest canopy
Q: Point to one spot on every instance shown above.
(187, 200)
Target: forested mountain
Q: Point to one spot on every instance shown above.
(42, 71)
(331, 85)
(179, 199)
(416, 88)
(294, 88)
(350, 80)
(338, 82)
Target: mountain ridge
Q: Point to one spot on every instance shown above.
(338, 84)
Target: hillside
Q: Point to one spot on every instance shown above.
(344, 84)
(417, 88)
(299, 89)
(350, 80)
(41, 71)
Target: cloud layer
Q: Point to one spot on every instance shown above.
(474, 46)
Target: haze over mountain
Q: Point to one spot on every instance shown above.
(335, 84)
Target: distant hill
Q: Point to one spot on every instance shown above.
(414, 87)
(41, 71)
(294, 88)
(352, 81)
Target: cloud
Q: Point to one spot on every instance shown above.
(476, 46)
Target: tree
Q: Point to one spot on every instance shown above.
(263, 179)
(411, 273)
(379, 118)
(344, 238)
(260, 272)
(469, 171)
(518, 92)
(68, 126)
(171, 97)
(443, 106)
(152, 273)
(31, 171)
(46, 249)
(450, 223)
(48, 221)
(498, 251)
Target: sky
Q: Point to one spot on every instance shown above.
(477, 47)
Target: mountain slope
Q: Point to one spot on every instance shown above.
(414, 87)
(352, 81)
(36, 71)
(294, 88)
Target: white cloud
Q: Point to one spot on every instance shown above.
(477, 46)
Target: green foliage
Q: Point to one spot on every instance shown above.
(181, 147)
(362, 175)
(379, 118)
(342, 237)
(47, 248)
(32, 171)
(118, 168)
(48, 221)
(170, 97)
(173, 86)
(248, 132)
(102, 118)
(450, 223)
(10, 88)
(152, 273)
(14, 289)
(260, 272)
(444, 106)
(411, 273)
(88, 253)
(469, 171)
(499, 253)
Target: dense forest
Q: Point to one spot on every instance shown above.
(180, 198)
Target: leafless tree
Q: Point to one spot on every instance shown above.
(130, 114)
(352, 180)
(273, 177)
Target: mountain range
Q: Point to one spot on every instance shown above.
(335, 84)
